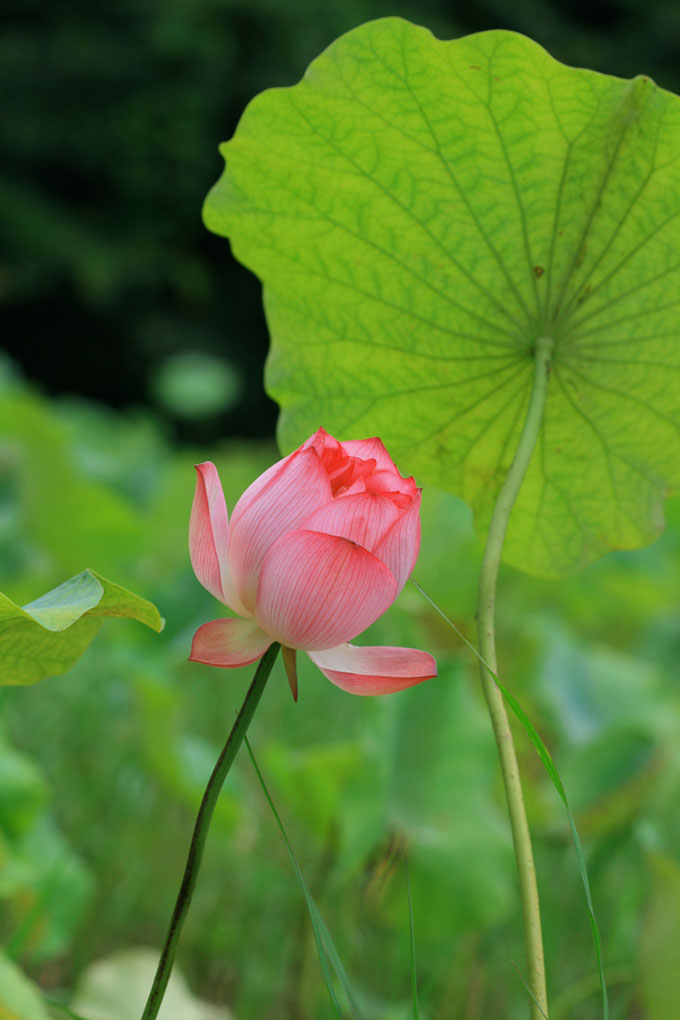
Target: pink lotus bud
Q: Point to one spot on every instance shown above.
(318, 547)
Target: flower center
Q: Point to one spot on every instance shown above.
(342, 470)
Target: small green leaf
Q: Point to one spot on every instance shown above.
(420, 213)
(49, 635)
(61, 607)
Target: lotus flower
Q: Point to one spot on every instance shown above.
(318, 547)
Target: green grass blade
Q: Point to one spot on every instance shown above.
(412, 934)
(334, 957)
(529, 992)
(544, 755)
(324, 943)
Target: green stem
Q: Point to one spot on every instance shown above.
(200, 833)
(487, 645)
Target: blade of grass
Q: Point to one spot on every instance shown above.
(412, 932)
(529, 992)
(324, 943)
(551, 769)
(338, 965)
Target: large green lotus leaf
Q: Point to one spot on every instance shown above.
(49, 635)
(420, 212)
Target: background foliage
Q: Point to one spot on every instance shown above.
(102, 768)
(108, 146)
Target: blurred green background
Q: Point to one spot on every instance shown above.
(112, 115)
(134, 347)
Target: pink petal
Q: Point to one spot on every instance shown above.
(386, 477)
(317, 591)
(260, 482)
(342, 469)
(275, 503)
(358, 485)
(364, 518)
(375, 670)
(232, 642)
(390, 483)
(209, 537)
(319, 440)
(208, 528)
(399, 548)
(370, 448)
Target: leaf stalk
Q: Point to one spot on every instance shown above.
(486, 629)
(201, 828)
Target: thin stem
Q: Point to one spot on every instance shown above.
(486, 605)
(200, 833)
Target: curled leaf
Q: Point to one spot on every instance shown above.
(48, 636)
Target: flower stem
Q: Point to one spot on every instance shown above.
(486, 604)
(201, 827)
